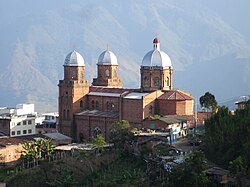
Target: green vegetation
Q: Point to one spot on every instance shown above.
(190, 174)
(156, 116)
(99, 141)
(120, 134)
(208, 101)
(126, 170)
(227, 139)
(38, 149)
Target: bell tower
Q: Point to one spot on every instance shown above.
(72, 92)
(156, 69)
(107, 71)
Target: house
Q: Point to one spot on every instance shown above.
(19, 121)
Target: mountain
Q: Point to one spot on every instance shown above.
(209, 47)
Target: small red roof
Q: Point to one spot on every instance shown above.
(156, 40)
(175, 95)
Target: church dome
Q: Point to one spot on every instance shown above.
(74, 59)
(107, 58)
(156, 57)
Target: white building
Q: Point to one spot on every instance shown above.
(49, 123)
(21, 120)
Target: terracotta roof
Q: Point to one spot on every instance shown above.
(99, 113)
(175, 95)
(7, 141)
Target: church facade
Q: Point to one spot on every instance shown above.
(86, 110)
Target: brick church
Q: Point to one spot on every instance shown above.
(86, 109)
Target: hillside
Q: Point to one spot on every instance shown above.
(209, 49)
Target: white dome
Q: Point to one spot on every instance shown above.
(74, 59)
(107, 58)
(156, 57)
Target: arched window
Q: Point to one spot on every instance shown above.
(112, 106)
(156, 81)
(97, 104)
(146, 81)
(81, 74)
(81, 104)
(64, 114)
(97, 131)
(150, 109)
(167, 81)
(93, 104)
(108, 105)
(68, 115)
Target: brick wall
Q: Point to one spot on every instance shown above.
(132, 110)
(85, 126)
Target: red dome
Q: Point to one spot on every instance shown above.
(156, 40)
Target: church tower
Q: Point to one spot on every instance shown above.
(156, 70)
(72, 91)
(107, 71)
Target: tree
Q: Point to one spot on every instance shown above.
(228, 136)
(208, 101)
(237, 169)
(99, 141)
(120, 133)
(38, 149)
(191, 172)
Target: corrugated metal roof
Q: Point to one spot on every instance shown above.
(98, 113)
(109, 90)
(135, 95)
(57, 136)
(104, 94)
(173, 119)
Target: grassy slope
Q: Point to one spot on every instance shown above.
(109, 169)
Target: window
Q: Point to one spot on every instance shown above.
(97, 104)
(112, 105)
(52, 117)
(24, 131)
(150, 109)
(93, 104)
(13, 132)
(73, 75)
(30, 122)
(156, 81)
(68, 115)
(19, 123)
(29, 131)
(108, 105)
(81, 104)
(146, 81)
(167, 81)
(64, 114)
(24, 122)
(18, 132)
(97, 131)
